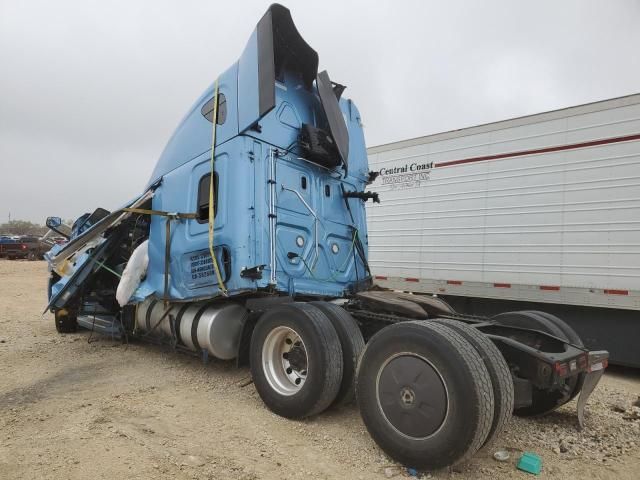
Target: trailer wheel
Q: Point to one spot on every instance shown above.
(498, 371)
(543, 401)
(65, 321)
(296, 360)
(425, 395)
(572, 337)
(352, 344)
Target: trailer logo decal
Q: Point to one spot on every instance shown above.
(407, 176)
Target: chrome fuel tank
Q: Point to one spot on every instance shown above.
(199, 326)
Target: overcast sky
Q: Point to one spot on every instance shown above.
(90, 91)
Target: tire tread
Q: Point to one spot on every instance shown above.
(352, 343)
(329, 338)
(499, 372)
(482, 382)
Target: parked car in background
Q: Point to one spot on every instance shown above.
(24, 247)
(4, 241)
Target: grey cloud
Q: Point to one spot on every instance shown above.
(91, 91)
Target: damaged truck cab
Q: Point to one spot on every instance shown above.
(250, 243)
(282, 221)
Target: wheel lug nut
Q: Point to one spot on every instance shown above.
(289, 370)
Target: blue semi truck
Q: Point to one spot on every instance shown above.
(250, 243)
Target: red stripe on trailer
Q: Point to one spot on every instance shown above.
(454, 282)
(616, 292)
(553, 288)
(502, 285)
(411, 279)
(380, 277)
(556, 148)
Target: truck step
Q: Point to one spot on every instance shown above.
(100, 323)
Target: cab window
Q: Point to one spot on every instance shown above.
(203, 198)
(207, 109)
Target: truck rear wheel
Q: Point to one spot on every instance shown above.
(352, 344)
(66, 321)
(425, 394)
(296, 360)
(543, 401)
(498, 371)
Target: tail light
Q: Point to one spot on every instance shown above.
(561, 369)
(23, 246)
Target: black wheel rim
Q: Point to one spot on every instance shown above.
(412, 395)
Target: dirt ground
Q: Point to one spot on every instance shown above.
(74, 409)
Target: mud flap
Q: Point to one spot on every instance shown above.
(597, 363)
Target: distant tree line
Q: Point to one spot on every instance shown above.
(22, 227)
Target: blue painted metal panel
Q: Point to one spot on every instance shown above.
(248, 102)
(193, 135)
(311, 249)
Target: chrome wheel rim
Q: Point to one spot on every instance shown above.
(285, 361)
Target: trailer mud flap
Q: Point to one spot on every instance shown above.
(598, 361)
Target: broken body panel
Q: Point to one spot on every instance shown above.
(282, 222)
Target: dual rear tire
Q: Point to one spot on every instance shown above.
(304, 357)
(431, 393)
(426, 394)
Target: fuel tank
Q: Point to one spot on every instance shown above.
(198, 326)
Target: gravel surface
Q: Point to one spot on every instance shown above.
(74, 409)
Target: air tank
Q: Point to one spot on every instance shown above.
(199, 326)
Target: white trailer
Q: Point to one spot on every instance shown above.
(539, 212)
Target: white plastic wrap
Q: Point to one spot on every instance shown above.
(133, 273)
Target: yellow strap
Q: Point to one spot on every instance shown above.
(143, 211)
(221, 284)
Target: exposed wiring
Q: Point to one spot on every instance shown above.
(332, 276)
(102, 265)
(93, 324)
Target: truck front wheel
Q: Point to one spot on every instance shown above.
(425, 394)
(296, 360)
(66, 322)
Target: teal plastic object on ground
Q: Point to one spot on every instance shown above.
(530, 462)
